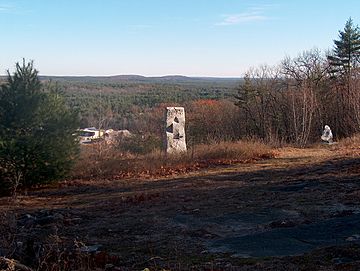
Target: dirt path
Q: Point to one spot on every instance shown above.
(302, 201)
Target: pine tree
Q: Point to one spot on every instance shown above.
(346, 52)
(344, 70)
(37, 131)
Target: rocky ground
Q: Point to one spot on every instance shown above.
(298, 211)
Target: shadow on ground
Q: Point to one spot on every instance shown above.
(259, 210)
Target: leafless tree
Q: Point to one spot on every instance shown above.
(305, 76)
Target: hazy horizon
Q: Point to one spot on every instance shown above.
(160, 37)
(146, 76)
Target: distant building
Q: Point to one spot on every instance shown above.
(88, 135)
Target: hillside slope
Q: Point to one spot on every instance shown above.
(303, 205)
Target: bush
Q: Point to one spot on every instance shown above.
(37, 131)
(113, 163)
(138, 144)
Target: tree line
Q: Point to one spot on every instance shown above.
(121, 103)
(293, 101)
(290, 102)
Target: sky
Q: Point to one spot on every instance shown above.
(222, 38)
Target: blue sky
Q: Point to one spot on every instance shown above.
(161, 37)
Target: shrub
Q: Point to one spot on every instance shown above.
(37, 131)
(138, 144)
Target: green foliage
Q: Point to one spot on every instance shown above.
(37, 131)
(344, 70)
(124, 102)
(246, 92)
(346, 53)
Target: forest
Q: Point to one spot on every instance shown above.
(286, 103)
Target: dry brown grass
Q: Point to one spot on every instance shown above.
(350, 142)
(103, 161)
(349, 146)
(124, 209)
(239, 150)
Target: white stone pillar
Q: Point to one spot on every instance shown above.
(175, 130)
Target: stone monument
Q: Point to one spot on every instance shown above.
(175, 130)
(327, 134)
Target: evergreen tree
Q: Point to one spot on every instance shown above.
(344, 69)
(37, 131)
(346, 52)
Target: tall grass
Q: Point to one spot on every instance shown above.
(350, 142)
(99, 160)
(349, 146)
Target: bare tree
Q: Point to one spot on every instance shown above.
(259, 97)
(305, 76)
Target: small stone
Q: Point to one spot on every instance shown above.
(354, 237)
(90, 249)
(45, 220)
(109, 267)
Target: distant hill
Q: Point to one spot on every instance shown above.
(176, 79)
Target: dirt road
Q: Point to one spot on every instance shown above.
(298, 211)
